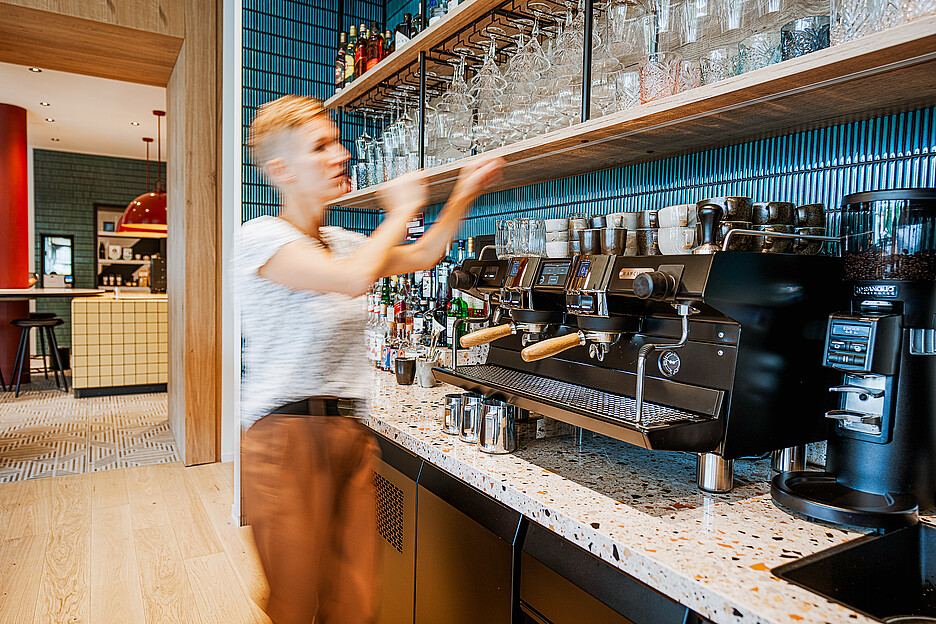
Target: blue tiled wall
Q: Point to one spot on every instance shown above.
(66, 187)
(814, 166)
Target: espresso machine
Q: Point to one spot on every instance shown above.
(716, 355)
(881, 457)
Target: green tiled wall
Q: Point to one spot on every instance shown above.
(66, 186)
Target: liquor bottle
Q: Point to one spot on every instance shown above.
(389, 44)
(102, 252)
(436, 9)
(375, 47)
(340, 59)
(404, 31)
(457, 309)
(360, 52)
(349, 55)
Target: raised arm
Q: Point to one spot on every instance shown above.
(473, 179)
(303, 265)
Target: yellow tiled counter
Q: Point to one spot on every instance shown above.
(119, 346)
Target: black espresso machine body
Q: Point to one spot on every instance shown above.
(747, 380)
(881, 457)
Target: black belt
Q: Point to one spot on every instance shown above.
(318, 406)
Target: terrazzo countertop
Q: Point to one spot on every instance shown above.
(638, 510)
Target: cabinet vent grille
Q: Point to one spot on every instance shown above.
(389, 511)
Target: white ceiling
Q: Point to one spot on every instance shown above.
(92, 115)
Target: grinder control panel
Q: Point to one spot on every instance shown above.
(862, 343)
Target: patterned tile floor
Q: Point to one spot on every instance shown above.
(46, 432)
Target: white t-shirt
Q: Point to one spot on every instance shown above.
(297, 343)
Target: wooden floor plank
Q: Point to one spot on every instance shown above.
(218, 600)
(215, 494)
(65, 589)
(147, 506)
(31, 513)
(20, 568)
(167, 594)
(116, 596)
(109, 489)
(9, 499)
(194, 532)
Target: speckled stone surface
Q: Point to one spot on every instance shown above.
(638, 510)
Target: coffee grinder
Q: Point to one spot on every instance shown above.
(881, 459)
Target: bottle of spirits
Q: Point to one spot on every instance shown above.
(340, 59)
(389, 44)
(404, 31)
(102, 252)
(360, 52)
(436, 9)
(375, 47)
(349, 55)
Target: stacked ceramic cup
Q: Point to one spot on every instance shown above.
(648, 232)
(557, 238)
(769, 217)
(677, 231)
(628, 222)
(809, 220)
(736, 213)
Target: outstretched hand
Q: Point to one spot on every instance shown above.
(404, 196)
(475, 177)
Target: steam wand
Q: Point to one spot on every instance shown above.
(684, 310)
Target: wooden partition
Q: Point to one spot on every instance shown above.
(171, 43)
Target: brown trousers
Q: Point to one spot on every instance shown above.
(309, 496)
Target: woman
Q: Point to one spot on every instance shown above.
(306, 465)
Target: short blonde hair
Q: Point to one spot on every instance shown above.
(274, 118)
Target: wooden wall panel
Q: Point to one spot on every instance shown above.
(155, 16)
(29, 36)
(142, 41)
(194, 241)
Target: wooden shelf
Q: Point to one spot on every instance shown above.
(123, 261)
(459, 27)
(884, 73)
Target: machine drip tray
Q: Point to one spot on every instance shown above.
(891, 578)
(818, 495)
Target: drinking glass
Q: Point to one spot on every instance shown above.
(503, 244)
(758, 51)
(718, 64)
(804, 35)
(659, 75)
(851, 19)
(536, 231)
(690, 75)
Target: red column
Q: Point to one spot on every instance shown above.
(15, 245)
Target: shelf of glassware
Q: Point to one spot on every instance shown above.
(887, 72)
(466, 14)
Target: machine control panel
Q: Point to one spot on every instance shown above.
(862, 343)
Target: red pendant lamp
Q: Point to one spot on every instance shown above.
(146, 215)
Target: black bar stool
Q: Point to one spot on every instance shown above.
(46, 363)
(22, 355)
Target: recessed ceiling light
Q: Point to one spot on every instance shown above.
(54, 139)
(35, 69)
(49, 119)
(44, 104)
(134, 123)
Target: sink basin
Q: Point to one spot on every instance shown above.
(891, 577)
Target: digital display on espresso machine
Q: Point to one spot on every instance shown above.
(554, 273)
(583, 268)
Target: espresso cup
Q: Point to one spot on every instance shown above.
(424, 375)
(648, 242)
(579, 223)
(629, 220)
(675, 241)
(630, 248)
(590, 241)
(405, 370)
(733, 208)
(647, 219)
(680, 215)
(772, 213)
(613, 241)
(806, 247)
(810, 215)
(599, 221)
(768, 244)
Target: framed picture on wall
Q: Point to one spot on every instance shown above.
(58, 260)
